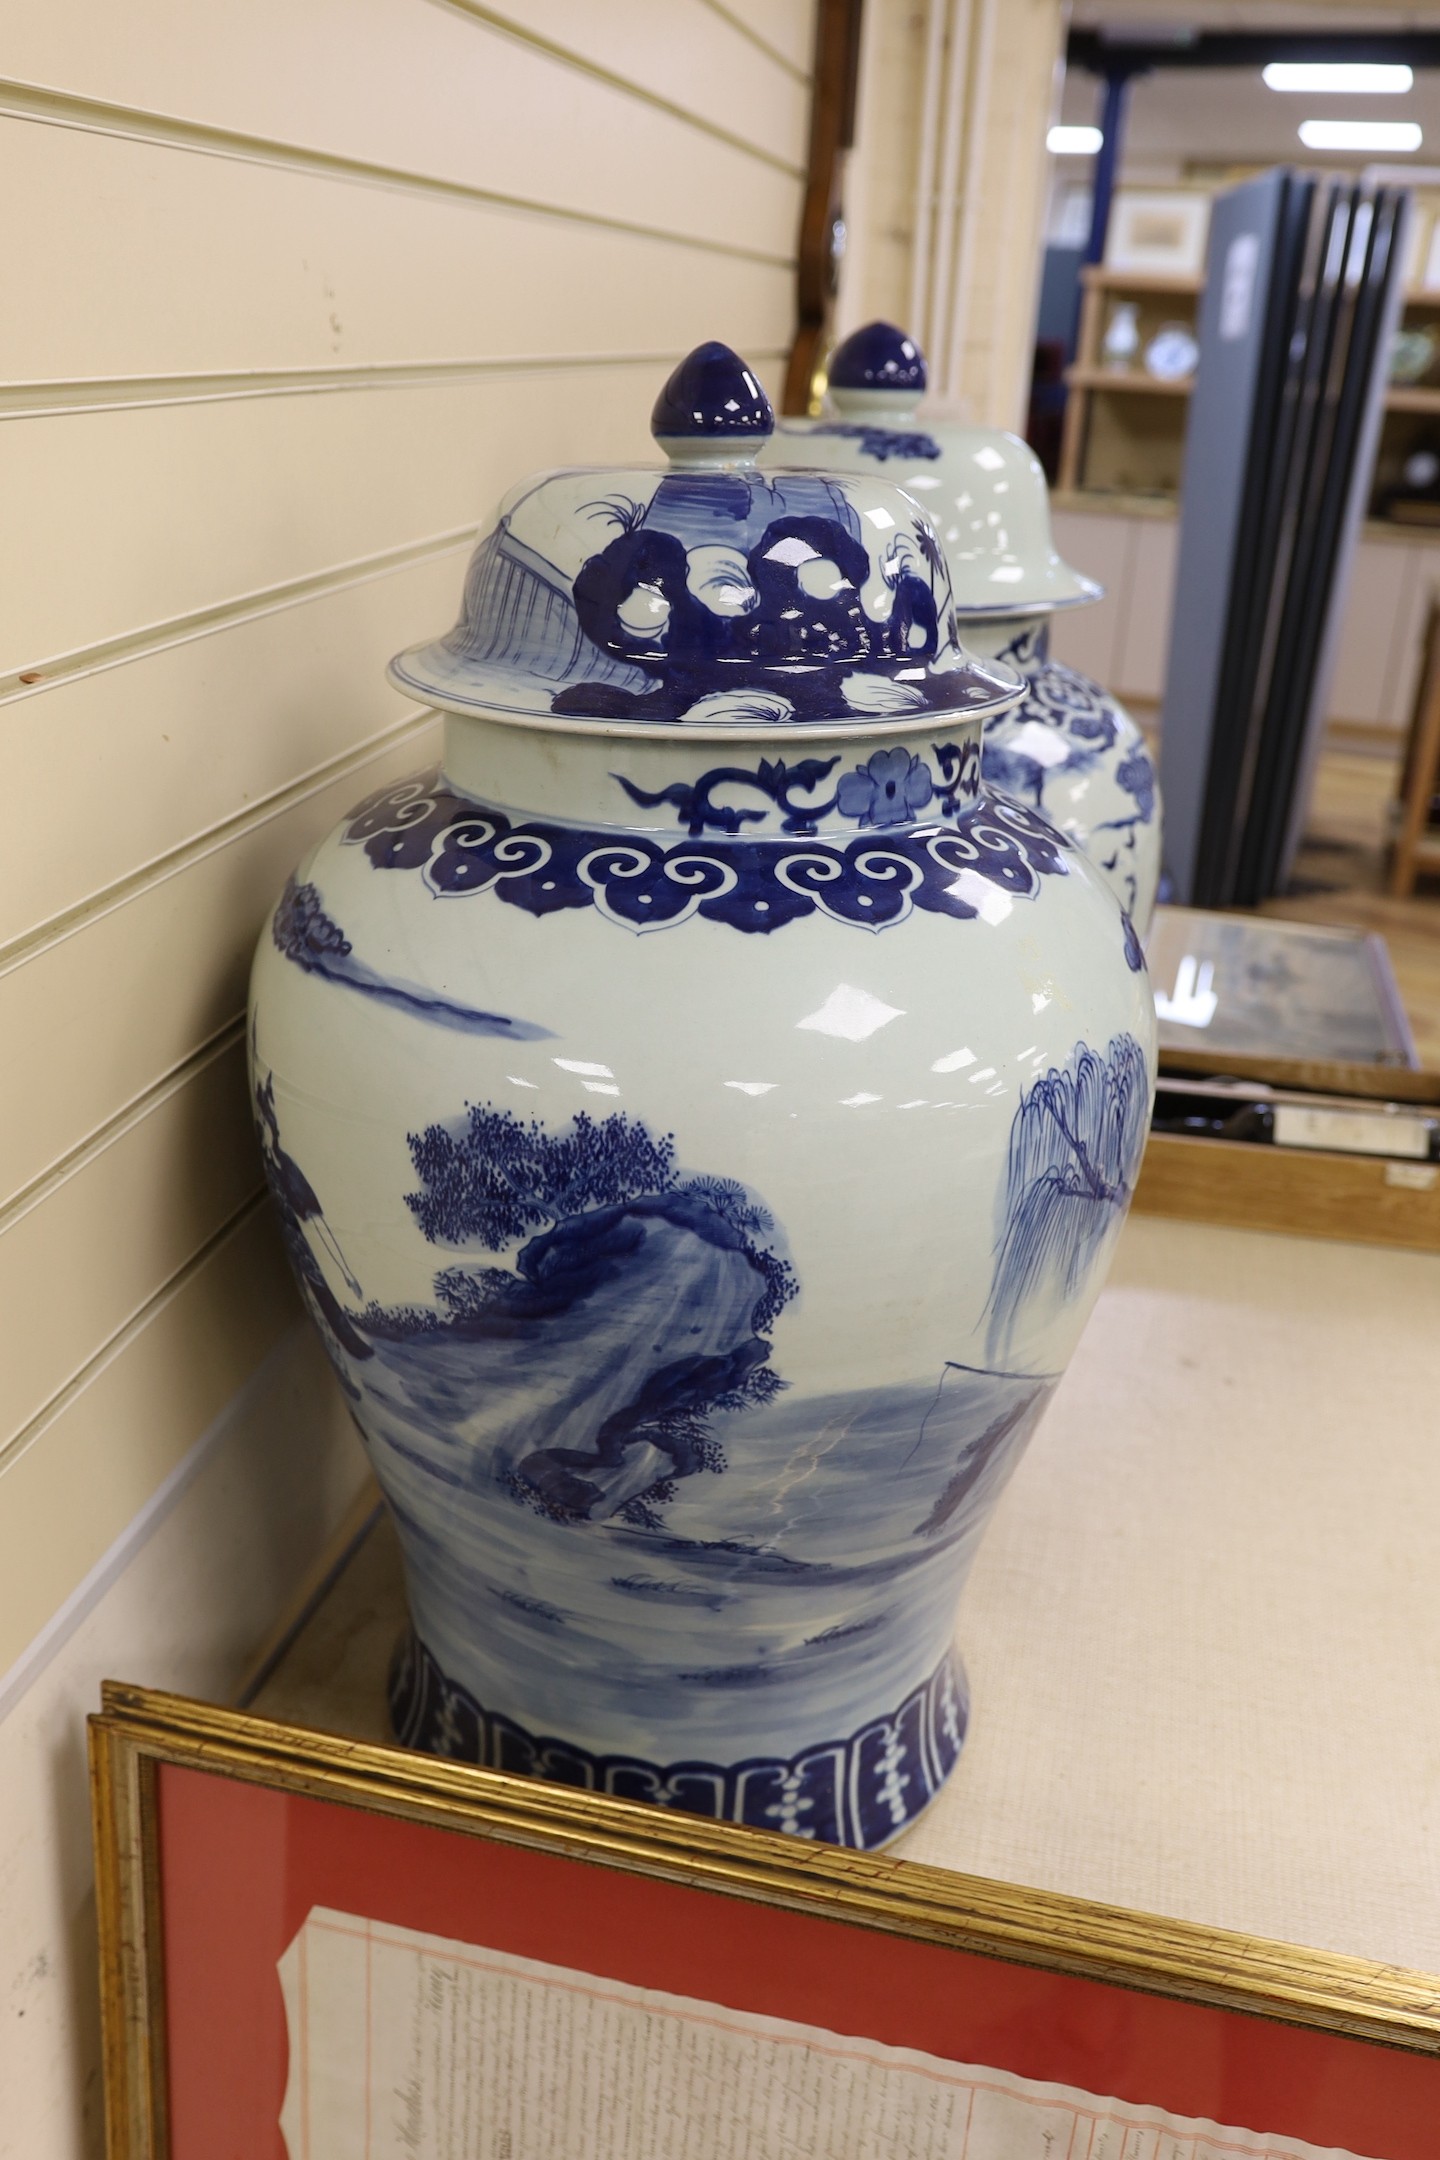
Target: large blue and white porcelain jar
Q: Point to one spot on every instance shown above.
(1069, 749)
(700, 1114)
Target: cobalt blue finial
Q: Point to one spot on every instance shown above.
(712, 394)
(879, 357)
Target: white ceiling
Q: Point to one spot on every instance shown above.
(1185, 117)
(1255, 15)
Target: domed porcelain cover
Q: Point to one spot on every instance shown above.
(983, 489)
(707, 593)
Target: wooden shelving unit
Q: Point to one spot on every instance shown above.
(1412, 417)
(1096, 276)
(1125, 432)
(1420, 399)
(1133, 384)
(1124, 429)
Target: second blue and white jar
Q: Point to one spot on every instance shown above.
(1070, 749)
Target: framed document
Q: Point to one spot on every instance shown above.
(1159, 232)
(314, 1949)
(1291, 992)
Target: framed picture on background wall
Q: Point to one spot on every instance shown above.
(315, 1949)
(1158, 232)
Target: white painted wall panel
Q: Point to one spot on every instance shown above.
(1419, 579)
(1090, 638)
(131, 992)
(687, 52)
(184, 1609)
(176, 741)
(1145, 641)
(1374, 609)
(427, 91)
(117, 1225)
(135, 517)
(212, 265)
(1124, 642)
(158, 1387)
(211, 540)
(784, 27)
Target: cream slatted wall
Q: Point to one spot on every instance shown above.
(290, 290)
(945, 190)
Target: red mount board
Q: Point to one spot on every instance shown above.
(242, 1865)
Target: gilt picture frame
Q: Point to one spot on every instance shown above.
(312, 1946)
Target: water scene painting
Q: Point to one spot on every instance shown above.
(638, 1558)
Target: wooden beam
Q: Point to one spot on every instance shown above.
(832, 132)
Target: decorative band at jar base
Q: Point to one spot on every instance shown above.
(861, 1791)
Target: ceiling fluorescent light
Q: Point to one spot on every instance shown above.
(1338, 76)
(1361, 134)
(1074, 141)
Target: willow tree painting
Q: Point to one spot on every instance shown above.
(1075, 1148)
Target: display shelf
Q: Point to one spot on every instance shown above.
(1092, 378)
(1410, 422)
(1399, 533)
(1124, 430)
(1114, 502)
(1410, 411)
(1108, 278)
(1101, 463)
(1124, 444)
(1201, 1631)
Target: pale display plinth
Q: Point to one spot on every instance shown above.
(1203, 1630)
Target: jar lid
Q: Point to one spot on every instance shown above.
(984, 488)
(879, 357)
(707, 593)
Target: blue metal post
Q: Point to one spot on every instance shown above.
(1107, 161)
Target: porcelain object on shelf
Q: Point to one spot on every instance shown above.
(1173, 354)
(1121, 342)
(699, 1116)
(1070, 750)
(1412, 355)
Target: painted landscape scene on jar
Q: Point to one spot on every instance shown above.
(609, 1494)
